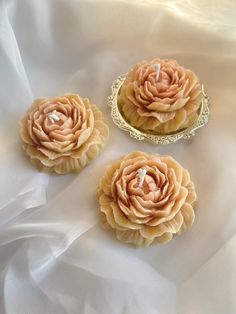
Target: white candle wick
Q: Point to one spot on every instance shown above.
(141, 174)
(53, 116)
(157, 69)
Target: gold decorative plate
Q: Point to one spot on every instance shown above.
(159, 139)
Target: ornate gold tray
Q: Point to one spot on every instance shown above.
(158, 139)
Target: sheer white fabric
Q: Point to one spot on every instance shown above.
(54, 257)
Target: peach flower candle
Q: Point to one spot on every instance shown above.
(62, 134)
(146, 199)
(160, 97)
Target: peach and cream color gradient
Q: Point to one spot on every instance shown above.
(163, 103)
(63, 134)
(152, 212)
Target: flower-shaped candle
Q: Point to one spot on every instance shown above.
(159, 100)
(146, 199)
(160, 96)
(63, 134)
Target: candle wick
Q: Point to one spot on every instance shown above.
(157, 67)
(141, 174)
(53, 116)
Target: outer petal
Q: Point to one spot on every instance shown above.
(192, 196)
(185, 177)
(166, 237)
(175, 224)
(153, 232)
(188, 217)
(107, 178)
(24, 131)
(173, 125)
(70, 165)
(133, 237)
(34, 153)
(107, 210)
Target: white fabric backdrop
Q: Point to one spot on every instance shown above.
(54, 257)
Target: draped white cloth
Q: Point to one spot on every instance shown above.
(54, 257)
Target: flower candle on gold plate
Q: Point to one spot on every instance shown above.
(62, 134)
(146, 199)
(159, 100)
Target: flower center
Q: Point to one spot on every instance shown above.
(53, 116)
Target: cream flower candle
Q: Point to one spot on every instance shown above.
(62, 134)
(151, 211)
(160, 97)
